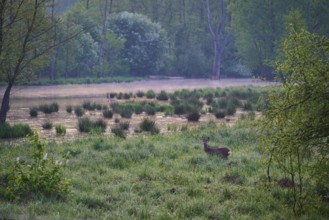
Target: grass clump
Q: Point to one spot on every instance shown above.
(14, 131)
(34, 112)
(69, 109)
(150, 94)
(43, 175)
(60, 130)
(193, 116)
(162, 96)
(87, 125)
(118, 131)
(107, 113)
(140, 94)
(149, 126)
(47, 125)
(78, 111)
(49, 108)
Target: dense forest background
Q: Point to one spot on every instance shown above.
(172, 37)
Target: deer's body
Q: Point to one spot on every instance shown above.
(223, 152)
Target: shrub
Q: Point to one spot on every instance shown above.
(15, 131)
(150, 109)
(247, 106)
(117, 131)
(43, 175)
(48, 109)
(124, 125)
(149, 126)
(34, 112)
(98, 106)
(88, 106)
(69, 108)
(60, 130)
(162, 96)
(107, 113)
(112, 95)
(78, 110)
(231, 109)
(126, 111)
(150, 94)
(138, 108)
(140, 94)
(220, 114)
(127, 96)
(86, 125)
(193, 116)
(47, 125)
(179, 109)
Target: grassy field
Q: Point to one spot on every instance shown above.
(159, 177)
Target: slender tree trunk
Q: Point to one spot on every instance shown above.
(5, 104)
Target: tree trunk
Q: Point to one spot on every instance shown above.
(5, 104)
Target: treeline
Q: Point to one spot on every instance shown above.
(172, 37)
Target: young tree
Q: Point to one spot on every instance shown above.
(220, 42)
(296, 125)
(25, 42)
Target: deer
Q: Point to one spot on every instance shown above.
(222, 152)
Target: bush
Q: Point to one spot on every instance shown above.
(60, 130)
(247, 106)
(47, 125)
(86, 125)
(126, 111)
(220, 114)
(44, 175)
(88, 106)
(162, 96)
(112, 95)
(124, 125)
(34, 112)
(231, 109)
(107, 113)
(150, 94)
(138, 108)
(69, 108)
(78, 110)
(48, 109)
(15, 131)
(117, 131)
(149, 126)
(193, 116)
(150, 109)
(140, 94)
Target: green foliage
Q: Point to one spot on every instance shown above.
(119, 132)
(86, 125)
(78, 111)
(69, 108)
(296, 125)
(107, 113)
(193, 116)
(149, 126)
(47, 125)
(150, 94)
(140, 94)
(49, 108)
(34, 112)
(43, 175)
(14, 131)
(162, 96)
(60, 130)
(145, 44)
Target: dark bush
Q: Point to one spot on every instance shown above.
(231, 109)
(127, 95)
(15, 131)
(150, 109)
(78, 110)
(140, 94)
(124, 125)
(162, 96)
(47, 125)
(88, 106)
(86, 125)
(48, 109)
(34, 112)
(193, 116)
(138, 108)
(69, 109)
(99, 124)
(220, 114)
(112, 95)
(117, 131)
(107, 113)
(247, 106)
(149, 126)
(126, 111)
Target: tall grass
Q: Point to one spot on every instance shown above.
(161, 177)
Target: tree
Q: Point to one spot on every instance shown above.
(296, 124)
(25, 42)
(220, 42)
(24, 34)
(146, 43)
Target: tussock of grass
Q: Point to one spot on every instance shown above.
(161, 177)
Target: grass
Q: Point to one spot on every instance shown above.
(159, 177)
